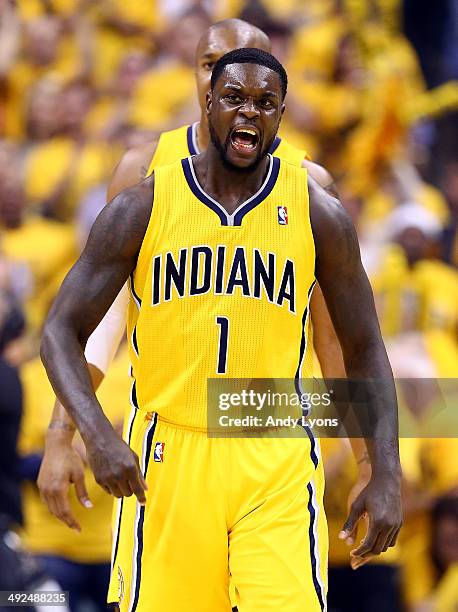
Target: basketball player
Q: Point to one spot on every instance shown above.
(61, 465)
(194, 238)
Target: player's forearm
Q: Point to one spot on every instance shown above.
(68, 372)
(370, 369)
(331, 360)
(61, 425)
(362, 458)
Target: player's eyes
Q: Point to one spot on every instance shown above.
(232, 98)
(208, 66)
(266, 103)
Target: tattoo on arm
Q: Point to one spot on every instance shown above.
(62, 425)
(86, 294)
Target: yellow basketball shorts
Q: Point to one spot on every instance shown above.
(220, 510)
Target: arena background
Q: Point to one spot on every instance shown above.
(373, 97)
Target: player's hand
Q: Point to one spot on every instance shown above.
(115, 466)
(61, 467)
(380, 503)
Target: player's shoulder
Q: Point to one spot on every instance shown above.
(137, 159)
(132, 168)
(330, 222)
(131, 209)
(318, 172)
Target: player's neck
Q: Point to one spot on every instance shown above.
(227, 186)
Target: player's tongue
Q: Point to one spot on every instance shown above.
(244, 140)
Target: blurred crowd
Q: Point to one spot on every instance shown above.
(373, 96)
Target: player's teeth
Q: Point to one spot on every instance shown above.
(251, 132)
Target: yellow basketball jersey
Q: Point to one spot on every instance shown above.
(179, 143)
(219, 295)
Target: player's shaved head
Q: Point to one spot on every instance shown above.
(219, 39)
(232, 34)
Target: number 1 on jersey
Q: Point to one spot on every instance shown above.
(223, 323)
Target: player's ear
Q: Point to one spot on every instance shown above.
(282, 110)
(208, 102)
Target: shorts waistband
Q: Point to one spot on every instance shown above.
(217, 432)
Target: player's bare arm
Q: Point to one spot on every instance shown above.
(85, 296)
(349, 299)
(131, 169)
(327, 345)
(62, 465)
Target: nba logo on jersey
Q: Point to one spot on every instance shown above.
(159, 452)
(282, 215)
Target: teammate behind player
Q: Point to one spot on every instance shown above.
(214, 500)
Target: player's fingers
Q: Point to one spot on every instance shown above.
(138, 489)
(381, 545)
(140, 475)
(394, 537)
(109, 486)
(67, 517)
(115, 489)
(124, 487)
(106, 488)
(389, 539)
(59, 505)
(349, 529)
(81, 491)
(357, 562)
(369, 541)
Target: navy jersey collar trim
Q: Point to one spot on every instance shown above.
(235, 219)
(274, 146)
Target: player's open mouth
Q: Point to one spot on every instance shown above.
(244, 140)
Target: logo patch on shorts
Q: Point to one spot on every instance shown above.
(282, 212)
(120, 585)
(159, 452)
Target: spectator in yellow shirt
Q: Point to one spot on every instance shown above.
(417, 295)
(61, 169)
(44, 249)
